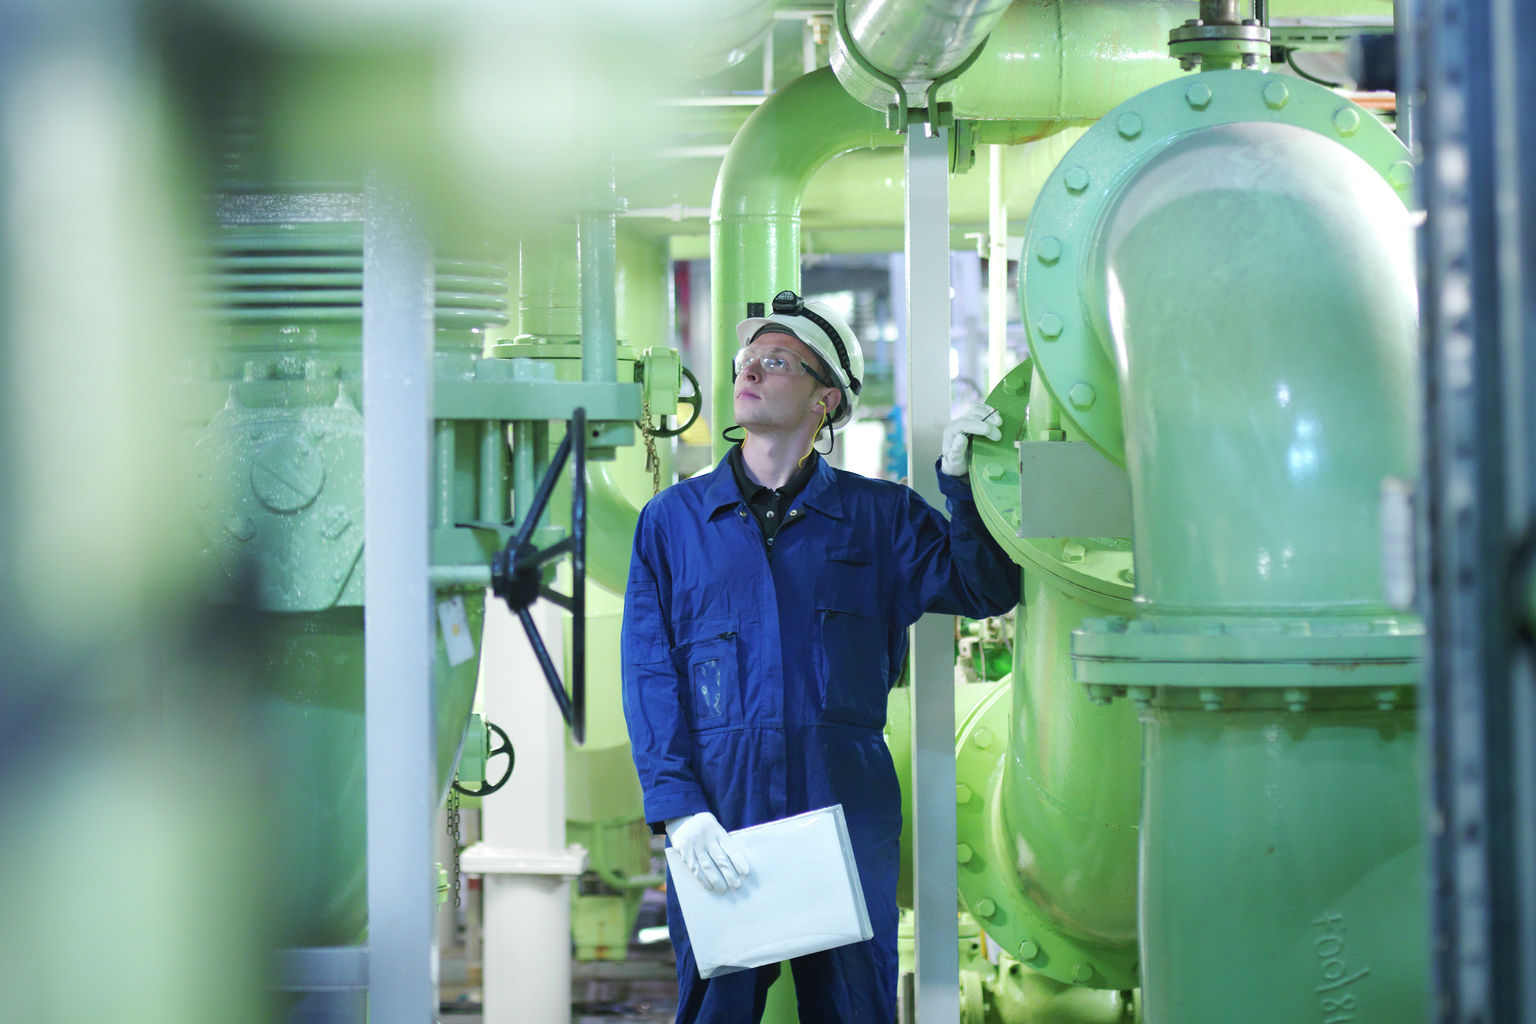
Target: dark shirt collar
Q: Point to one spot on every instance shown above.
(755, 493)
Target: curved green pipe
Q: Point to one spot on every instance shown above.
(1282, 846)
(754, 226)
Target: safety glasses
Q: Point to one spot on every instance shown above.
(780, 362)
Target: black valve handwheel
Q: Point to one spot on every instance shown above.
(695, 402)
(487, 787)
(517, 574)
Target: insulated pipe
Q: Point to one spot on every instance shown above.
(908, 41)
(1041, 61)
(754, 226)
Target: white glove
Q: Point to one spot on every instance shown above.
(709, 851)
(955, 449)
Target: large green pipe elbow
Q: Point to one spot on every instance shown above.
(1277, 379)
(1228, 306)
(754, 228)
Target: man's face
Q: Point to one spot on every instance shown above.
(774, 401)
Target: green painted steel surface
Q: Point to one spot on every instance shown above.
(1048, 791)
(1097, 569)
(755, 223)
(1068, 309)
(1068, 61)
(1258, 394)
(276, 467)
(1283, 867)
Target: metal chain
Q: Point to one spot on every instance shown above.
(652, 460)
(453, 832)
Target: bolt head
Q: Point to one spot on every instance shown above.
(1400, 174)
(982, 738)
(992, 471)
(1128, 125)
(1082, 973)
(963, 853)
(1082, 395)
(1048, 250)
(1028, 950)
(1276, 94)
(1250, 60)
(962, 793)
(1050, 326)
(985, 907)
(1072, 551)
(1346, 120)
(1076, 179)
(1198, 95)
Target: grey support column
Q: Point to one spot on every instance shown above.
(398, 656)
(933, 668)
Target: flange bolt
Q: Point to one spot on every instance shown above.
(963, 853)
(1048, 250)
(1076, 179)
(1049, 325)
(982, 738)
(1082, 973)
(1028, 950)
(1400, 174)
(1082, 395)
(1128, 125)
(1276, 95)
(1346, 120)
(993, 472)
(962, 793)
(985, 907)
(1198, 95)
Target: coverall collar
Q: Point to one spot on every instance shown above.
(821, 492)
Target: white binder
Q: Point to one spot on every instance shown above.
(801, 895)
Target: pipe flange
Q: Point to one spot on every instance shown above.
(1229, 661)
(989, 888)
(1195, 41)
(1064, 339)
(1098, 569)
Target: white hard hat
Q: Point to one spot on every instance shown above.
(828, 335)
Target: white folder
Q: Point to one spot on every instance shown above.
(801, 895)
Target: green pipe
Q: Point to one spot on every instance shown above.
(1048, 807)
(524, 472)
(1068, 61)
(597, 248)
(1281, 844)
(549, 286)
(754, 226)
(493, 471)
(443, 469)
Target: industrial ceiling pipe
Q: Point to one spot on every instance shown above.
(907, 41)
(1046, 61)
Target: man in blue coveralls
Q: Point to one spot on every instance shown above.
(765, 622)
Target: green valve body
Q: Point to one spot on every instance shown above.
(1219, 295)
(274, 449)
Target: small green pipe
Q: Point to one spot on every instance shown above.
(597, 246)
(754, 227)
(524, 469)
(444, 467)
(493, 471)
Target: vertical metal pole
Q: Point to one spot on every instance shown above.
(397, 466)
(933, 679)
(443, 469)
(599, 320)
(997, 270)
(493, 471)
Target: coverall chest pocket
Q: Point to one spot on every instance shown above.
(706, 661)
(854, 671)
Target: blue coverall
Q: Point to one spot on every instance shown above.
(755, 686)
